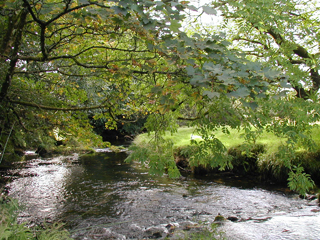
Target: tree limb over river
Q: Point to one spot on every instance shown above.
(67, 63)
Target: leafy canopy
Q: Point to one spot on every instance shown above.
(64, 59)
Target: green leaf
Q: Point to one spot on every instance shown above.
(227, 77)
(190, 70)
(217, 68)
(240, 92)
(174, 3)
(159, 3)
(83, 1)
(156, 89)
(46, 10)
(119, 10)
(197, 80)
(211, 94)
(192, 8)
(252, 105)
(209, 10)
(270, 73)
(285, 84)
(175, 25)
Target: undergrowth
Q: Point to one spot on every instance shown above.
(272, 158)
(10, 229)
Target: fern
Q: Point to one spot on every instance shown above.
(300, 181)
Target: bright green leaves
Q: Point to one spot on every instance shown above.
(158, 152)
(157, 156)
(175, 25)
(299, 181)
(212, 154)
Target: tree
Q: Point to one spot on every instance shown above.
(73, 55)
(280, 33)
(85, 55)
(283, 35)
(61, 59)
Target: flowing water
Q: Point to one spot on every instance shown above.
(99, 196)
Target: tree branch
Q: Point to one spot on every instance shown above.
(29, 104)
(251, 41)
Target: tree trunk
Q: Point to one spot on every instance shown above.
(10, 48)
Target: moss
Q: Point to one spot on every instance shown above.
(219, 218)
(244, 159)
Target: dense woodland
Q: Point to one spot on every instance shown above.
(66, 64)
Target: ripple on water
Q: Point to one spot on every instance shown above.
(99, 197)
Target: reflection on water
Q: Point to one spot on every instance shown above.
(99, 196)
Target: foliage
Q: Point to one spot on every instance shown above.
(300, 181)
(55, 231)
(11, 229)
(269, 157)
(283, 35)
(279, 33)
(109, 58)
(245, 157)
(63, 61)
(157, 152)
(186, 151)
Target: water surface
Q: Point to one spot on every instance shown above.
(99, 196)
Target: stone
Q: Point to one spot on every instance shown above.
(233, 218)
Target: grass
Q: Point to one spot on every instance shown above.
(265, 162)
(183, 136)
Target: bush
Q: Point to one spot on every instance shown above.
(310, 161)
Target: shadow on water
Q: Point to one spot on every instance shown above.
(99, 196)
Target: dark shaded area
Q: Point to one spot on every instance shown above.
(124, 130)
(245, 165)
(245, 158)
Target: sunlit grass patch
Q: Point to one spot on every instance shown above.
(235, 137)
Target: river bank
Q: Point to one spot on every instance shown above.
(100, 196)
(267, 159)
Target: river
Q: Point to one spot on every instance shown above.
(99, 196)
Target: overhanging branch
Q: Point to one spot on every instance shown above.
(45, 107)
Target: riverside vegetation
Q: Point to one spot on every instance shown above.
(68, 63)
(64, 63)
(260, 159)
(10, 229)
